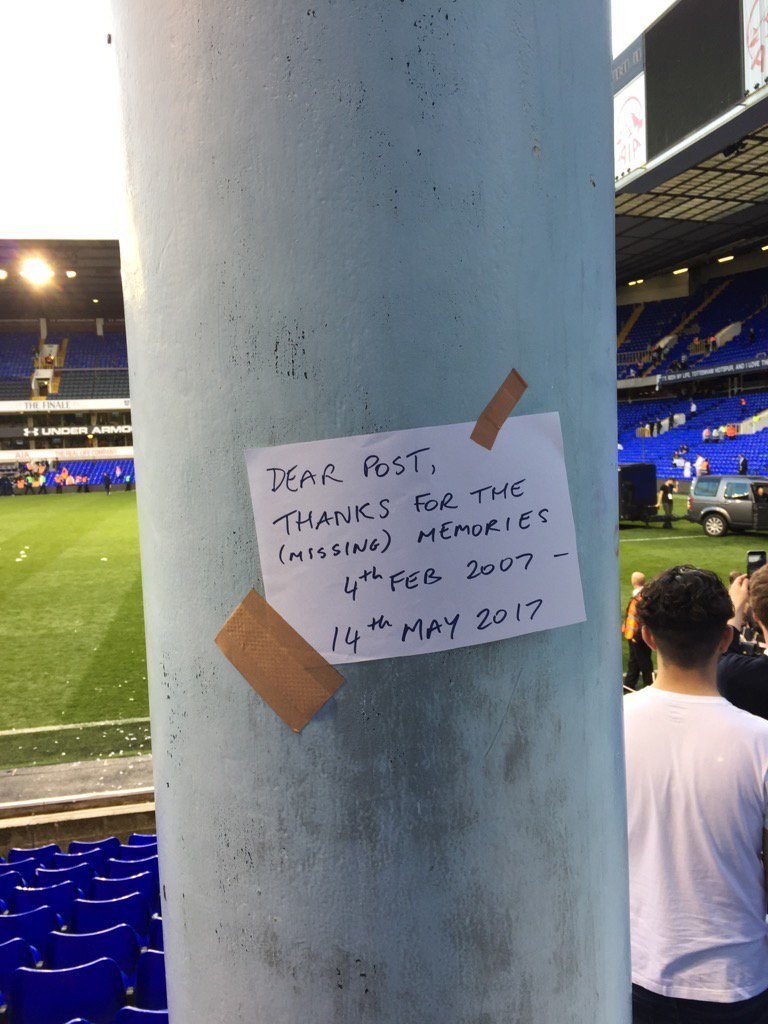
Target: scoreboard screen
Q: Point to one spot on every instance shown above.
(693, 69)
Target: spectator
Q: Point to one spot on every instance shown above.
(743, 465)
(692, 410)
(698, 464)
(705, 468)
(697, 769)
(743, 678)
(687, 469)
(639, 662)
(706, 434)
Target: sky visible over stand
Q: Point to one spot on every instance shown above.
(59, 119)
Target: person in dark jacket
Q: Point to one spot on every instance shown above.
(743, 678)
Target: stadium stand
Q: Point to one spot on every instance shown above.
(711, 412)
(739, 300)
(16, 365)
(77, 956)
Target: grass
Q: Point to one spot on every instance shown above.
(652, 549)
(71, 626)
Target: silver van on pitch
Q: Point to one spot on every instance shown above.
(723, 503)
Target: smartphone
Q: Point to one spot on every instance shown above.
(755, 560)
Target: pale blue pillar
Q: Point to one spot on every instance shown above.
(342, 217)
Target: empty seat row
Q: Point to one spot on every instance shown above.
(78, 939)
(97, 989)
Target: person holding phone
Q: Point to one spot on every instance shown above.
(743, 678)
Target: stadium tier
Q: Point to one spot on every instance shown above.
(94, 469)
(711, 413)
(93, 383)
(88, 351)
(80, 934)
(86, 365)
(17, 356)
(741, 300)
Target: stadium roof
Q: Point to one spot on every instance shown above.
(97, 268)
(700, 210)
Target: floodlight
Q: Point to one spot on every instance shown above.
(36, 270)
(94, 300)
(724, 259)
(71, 273)
(3, 274)
(680, 270)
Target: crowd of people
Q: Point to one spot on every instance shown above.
(32, 478)
(696, 743)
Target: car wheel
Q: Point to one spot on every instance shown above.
(715, 525)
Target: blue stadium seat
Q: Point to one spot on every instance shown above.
(113, 888)
(141, 839)
(14, 953)
(42, 855)
(155, 939)
(54, 997)
(124, 868)
(34, 926)
(120, 943)
(98, 915)
(136, 852)
(26, 868)
(105, 845)
(58, 897)
(150, 981)
(93, 857)
(80, 874)
(8, 884)
(135, 1015)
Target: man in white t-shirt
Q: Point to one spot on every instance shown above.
(697, 806)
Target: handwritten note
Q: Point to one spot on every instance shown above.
(415, 541)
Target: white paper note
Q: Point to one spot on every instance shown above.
(386, 545)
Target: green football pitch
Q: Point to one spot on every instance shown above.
(73, 666)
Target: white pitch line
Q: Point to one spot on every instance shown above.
(77, 725)
(653, 540)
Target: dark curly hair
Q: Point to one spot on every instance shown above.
(686, 609)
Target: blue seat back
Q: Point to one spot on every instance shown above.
(94, 991)
(126, 868)
(112, 888)
(80, 874)
(59, 897)
(150, 981)
(42, 855)
(25, 868)
(8, 883)
(97, 915)
(34, 926)
(135, 852)
(140, 839)
(120, 943)
(14, 953)
(135, 1015)
(105, 845)
(95, 858)
(155, 938)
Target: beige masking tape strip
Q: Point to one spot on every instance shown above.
(492, 418)
(277, 661)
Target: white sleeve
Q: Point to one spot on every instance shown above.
(765, 800)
